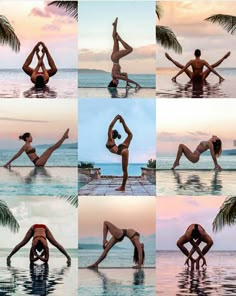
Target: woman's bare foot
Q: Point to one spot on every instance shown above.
(121, 188)
(168, 56)
(175, 165)
(93, 266)
(227, 55)
(66, 134)
(115, 22)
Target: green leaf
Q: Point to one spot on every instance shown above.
(166, 37)
(72, 199)
(7, 218)
(7, 34)
(71, 7)
(227, 22)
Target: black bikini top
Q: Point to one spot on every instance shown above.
(31, 151)
(110, 146)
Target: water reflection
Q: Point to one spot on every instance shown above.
(46, 92)
(32, 175)
(116, 93)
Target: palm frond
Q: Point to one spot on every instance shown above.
(7, 34)
(166, 37)
(226, 214)
(71, 7)
(159, 10)
(72, 199)
(227, 22)
(7, 218)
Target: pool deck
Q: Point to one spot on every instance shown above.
(106, 186)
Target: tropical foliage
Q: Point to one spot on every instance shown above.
(7, 218)
(71, 7)
(7, 34)
(72, 199)
(151, 163)
(227, 22)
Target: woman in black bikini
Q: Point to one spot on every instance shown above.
(39, 249)
(122, 149)
(117, 236)
(31, 152)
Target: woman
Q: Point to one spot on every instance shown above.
(40, 78)
(117, 236)
(213, 144)
(116, 55)
(122, 149)
(195, 235)
(39, 249)
(31, 152)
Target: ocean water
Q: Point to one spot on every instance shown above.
(115, 169)
(166, 88)
(14, 83)
(219, 278)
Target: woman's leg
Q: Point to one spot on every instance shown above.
(53, 69)
(177, 64)
(121, 53)
(115, 40)
(129, 138)
(125, 162)
(183, 149)
(114, 231)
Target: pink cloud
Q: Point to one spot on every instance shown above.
(51, 28)
(48, 11)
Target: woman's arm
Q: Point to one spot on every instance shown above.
(182, 70)
(26, 67)
(109, 134)
(23, 148)
(212, 70)
(127, 130)
(125, 78)
(211, 147)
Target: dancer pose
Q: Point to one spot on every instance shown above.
(197, 73)
(195, 235)
(122, 149)
(31, 152)
(116, 55)
(39, 249)
(40, 78)
(117, 236)
(213, 144)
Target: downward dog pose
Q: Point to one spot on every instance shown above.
(117, 236)
(122, 149)
(116, 55)
(213, 144)
(197, 74)
(39, 249)
(31, 152)
(40, 78)
(195, 234)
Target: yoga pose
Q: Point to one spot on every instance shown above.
(197, 74)
(117, 236)
(122, 149)
(116, 55)
(195, 235)
(213, 144)
(39, 249)
(31, 152)
(40, 78)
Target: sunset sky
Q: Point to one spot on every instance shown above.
(35, 21)
(186, 19)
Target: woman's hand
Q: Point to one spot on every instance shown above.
(7, 166)
(8, 260)
(218, 167)
(174, 79)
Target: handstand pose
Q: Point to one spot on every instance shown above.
(117, 236)
(40, 78)
(31, 152)
(195, 234)
(122, 149)
(116, 55)
(197, 73)
(39, 249)
(213, 144)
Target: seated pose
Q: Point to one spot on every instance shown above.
(40, 78)
(39, 249)
(213, 144)
(117, 236)
(116, 55)
(197, 73)
(31, 152)
(195, 234)
(122, 149)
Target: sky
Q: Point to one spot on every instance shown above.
(95, 117)
(186, 19)
(199, 123)
(46, 120)
(136, 25)
(172, 221)
(38, 210)
(34, 21)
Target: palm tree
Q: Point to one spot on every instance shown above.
(7, 34)
(227, 22)
(164, 35)
(70, 6)
(72, 199)
(7, 218)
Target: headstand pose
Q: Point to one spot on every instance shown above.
(122, 149)
(40, 78)
(31, 152)
(116, 55)
(39, 249)
(117, 236)
(197, 74)
(195, 234)
(213, 144)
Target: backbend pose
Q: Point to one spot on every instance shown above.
(213, 144)
(116, 55)
(39, 249)
(117, 236)
(31, 152)
(122, 149)
(195, 234)
(197, 74)
(40, 78)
